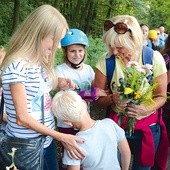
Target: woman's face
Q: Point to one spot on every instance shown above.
(121, 51)
(75, 53)
(47, 46)
(145, 31)
(48, 43)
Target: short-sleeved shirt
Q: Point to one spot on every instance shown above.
(83, 78)
(158, 64)
(36, 85)
(100, 146)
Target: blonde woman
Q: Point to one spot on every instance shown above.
(28, 74)
(124, 40)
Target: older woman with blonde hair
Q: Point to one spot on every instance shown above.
(124, 40)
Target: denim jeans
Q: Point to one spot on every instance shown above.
(50, 157)
(135, 144)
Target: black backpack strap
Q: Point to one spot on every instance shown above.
(1, 109)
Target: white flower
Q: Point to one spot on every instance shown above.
(141, 70)
(14, 149)
(132, 63)
(149, 66)
(12, 154)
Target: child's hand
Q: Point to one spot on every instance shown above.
(65, 84)
(93, 94)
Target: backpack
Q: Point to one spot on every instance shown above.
(147, 57)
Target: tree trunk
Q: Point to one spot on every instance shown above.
(88, 18)
(16, 14)
(109, 11)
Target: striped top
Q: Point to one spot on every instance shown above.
(36, 84)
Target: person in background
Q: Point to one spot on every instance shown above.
(74, 46)
(146, 40)
(162, 37)
(166, 107)
(103, 137)
(153, 37)
(28, 76)
(124, 40)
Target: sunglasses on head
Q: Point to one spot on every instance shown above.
(120, 27)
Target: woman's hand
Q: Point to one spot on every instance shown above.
(70, 144)
(120, 104)
(133, 110)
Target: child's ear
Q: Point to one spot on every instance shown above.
(68, 123)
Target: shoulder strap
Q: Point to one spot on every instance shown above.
(42, 105)
(147, 58)
(147, 55)
(110, 66)
(1, 109)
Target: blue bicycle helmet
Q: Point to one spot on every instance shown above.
(75, 36)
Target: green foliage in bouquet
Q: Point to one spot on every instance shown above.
(136, 88)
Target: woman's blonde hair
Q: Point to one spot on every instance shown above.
(44, 21)
(68, 106)
(132, 40)
(2, 53)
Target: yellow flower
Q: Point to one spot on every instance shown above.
(137, 95)
(128, 90)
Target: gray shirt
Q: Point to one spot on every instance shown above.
(101, 146)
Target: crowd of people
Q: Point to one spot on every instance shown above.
(154, 38)
(28, 76)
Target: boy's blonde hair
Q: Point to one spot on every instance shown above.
(44, 21)
(132, 40)
(68, 106)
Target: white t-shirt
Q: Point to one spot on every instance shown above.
(83, 78)
(100, 146)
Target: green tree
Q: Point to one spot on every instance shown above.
(87, 15)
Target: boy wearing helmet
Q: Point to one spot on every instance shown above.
(74, 46)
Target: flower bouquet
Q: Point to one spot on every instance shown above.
(137, 88)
